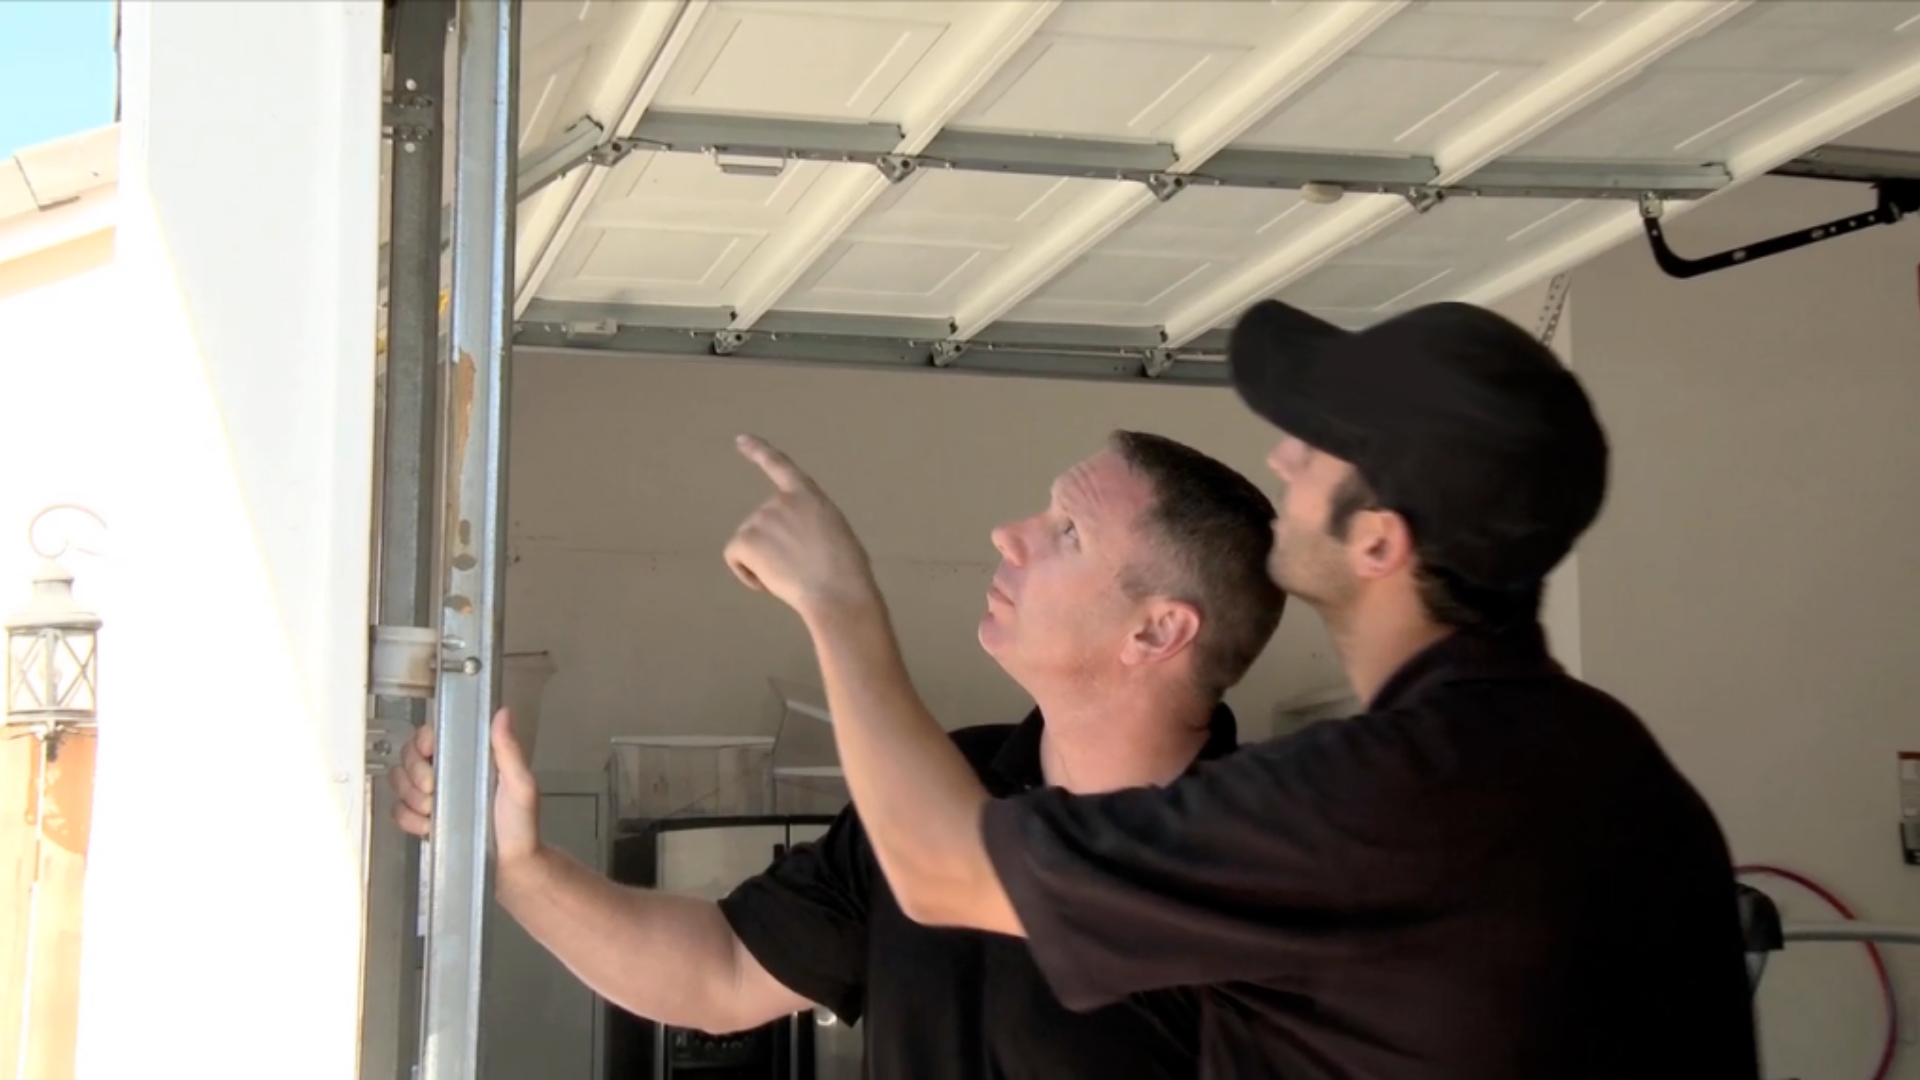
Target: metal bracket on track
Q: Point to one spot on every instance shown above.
(612, 152)
(409, 117)
(1165, 186)
(1425, 198)
(1896, 198)
(896, 167)
(1553, 308)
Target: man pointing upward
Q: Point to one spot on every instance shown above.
(1124, 609)
(1493, 873)
(798, 547)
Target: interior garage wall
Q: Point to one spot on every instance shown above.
(625, 486)
(1751, 585)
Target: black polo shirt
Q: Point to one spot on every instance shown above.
(940, 1003)
(1493, 874)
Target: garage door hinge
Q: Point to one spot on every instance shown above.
(381, 749)
(409, 118)
(1425, 198)
(895, 167)
(1165, 186)
(612, 152)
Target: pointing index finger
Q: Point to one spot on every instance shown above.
(779, 467)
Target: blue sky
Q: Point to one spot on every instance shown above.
(56, 69)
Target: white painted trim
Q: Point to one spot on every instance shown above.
(30, 234)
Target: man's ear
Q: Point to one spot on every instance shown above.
(1167, 628)
(1379, 544)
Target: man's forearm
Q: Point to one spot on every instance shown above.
(917, 796)
(669, 958)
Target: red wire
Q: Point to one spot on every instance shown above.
(1873, 953)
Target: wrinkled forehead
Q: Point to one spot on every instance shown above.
(1103, 488)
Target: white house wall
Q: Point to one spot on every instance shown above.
(45, 378)
(224, 891)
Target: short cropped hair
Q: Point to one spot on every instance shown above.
(1214, 531)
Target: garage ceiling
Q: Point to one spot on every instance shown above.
(917, 183)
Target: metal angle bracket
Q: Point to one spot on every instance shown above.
(946, 352)
(1165, 186)
(1895, 199)
(409, 117)
(896, 167)
(1425, 197)
(1554, 307)
(380, 749)
(728, 342)
(1158, 362)
(613, 151)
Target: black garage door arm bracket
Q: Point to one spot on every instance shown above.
(1896, 199)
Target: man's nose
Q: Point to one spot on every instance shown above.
(1007, 543)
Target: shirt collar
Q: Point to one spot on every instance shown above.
(1017, 765)
(1470, 656)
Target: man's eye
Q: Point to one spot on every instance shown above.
(1069, 531)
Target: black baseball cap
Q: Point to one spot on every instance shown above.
(1462, 422)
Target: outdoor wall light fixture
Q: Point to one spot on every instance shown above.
(53, 659)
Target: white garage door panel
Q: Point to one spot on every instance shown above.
(1429, 256)
(1689, 97)
(1700, 101)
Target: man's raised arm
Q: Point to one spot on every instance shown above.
(919, 799)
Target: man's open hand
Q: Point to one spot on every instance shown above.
(516, 798)
(797, 545)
